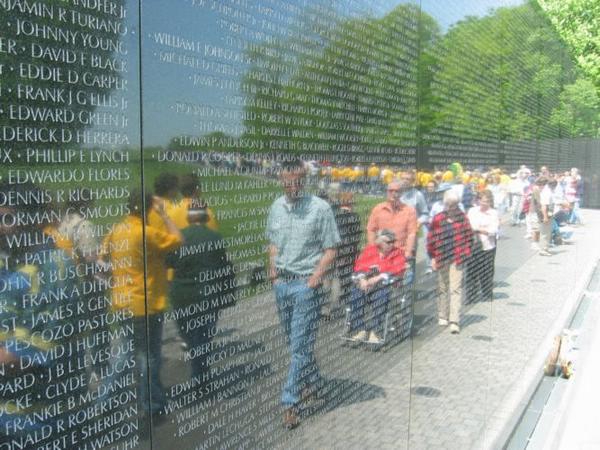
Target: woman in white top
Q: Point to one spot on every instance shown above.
(485, 223)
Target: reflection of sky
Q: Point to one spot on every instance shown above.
(448, 12)
(164, 84)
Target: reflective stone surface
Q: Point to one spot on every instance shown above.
(215, 225)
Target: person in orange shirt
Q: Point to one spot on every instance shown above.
(397, 217)
(138, 296)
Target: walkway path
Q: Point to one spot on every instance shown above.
(434, 391)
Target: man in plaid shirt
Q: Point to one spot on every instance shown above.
(449, 244)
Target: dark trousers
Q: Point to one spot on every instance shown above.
(199, 337)
(480, 275)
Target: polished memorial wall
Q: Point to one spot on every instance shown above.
(128, 322)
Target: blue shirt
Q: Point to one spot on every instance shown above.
(301, 231)
(416, 199)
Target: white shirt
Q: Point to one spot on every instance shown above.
(517, 186)
(546, 196)
(81, 234)
(485, 221)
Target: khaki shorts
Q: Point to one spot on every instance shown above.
(533, 222)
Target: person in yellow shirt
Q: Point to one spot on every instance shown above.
(387, 175)
(178, 211)
(166, 189)
(138, 296)
(448, 177)
(354, 177)
(373, 173)
(336, 174)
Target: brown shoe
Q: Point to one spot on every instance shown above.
(290, 419)
(308, 395)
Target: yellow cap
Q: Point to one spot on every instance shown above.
(448, 176)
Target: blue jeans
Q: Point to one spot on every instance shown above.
(299, 310)
(575, 214)
(378, 298)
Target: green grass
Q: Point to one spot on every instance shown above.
(228, 196)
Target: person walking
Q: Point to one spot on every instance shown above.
(143, 294)
(485, 223)
(449, 245)
(303, 238)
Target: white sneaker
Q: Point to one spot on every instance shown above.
(361, 336)
(454, 328)
(442, 322)
(374, 339)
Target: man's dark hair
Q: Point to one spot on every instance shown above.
(165, 183)
(189, 185)
(139, 202)
(292, 165)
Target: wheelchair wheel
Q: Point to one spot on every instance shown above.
(402, 323)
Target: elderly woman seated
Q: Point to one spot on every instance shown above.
(376, 268)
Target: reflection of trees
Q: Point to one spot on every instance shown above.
(577, 23)
(351, 89)
(501, 79)
(579, 109)
(346, 89)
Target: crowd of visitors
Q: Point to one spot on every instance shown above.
(175, 256)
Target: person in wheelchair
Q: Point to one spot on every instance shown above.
(376, 269)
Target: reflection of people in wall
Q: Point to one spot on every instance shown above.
(126, 251)
(396, 216)
(30, 358)
(449, 244)
(303, 236)
(203, 276)
(348, 224)
(485, 223)
(411, 196)
(376, 267)
(166, 190)
(190, 191)
(78, 230)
